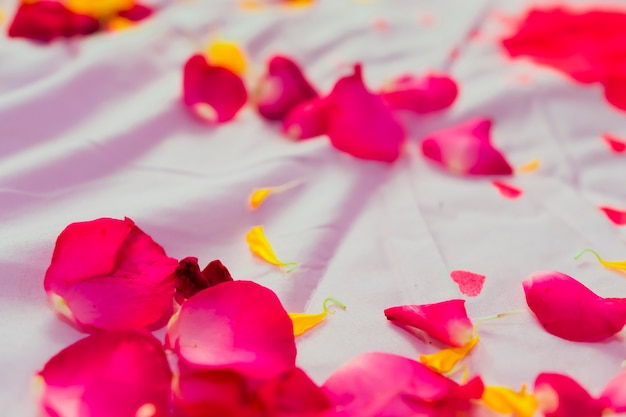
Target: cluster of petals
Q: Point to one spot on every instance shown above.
(46, 20)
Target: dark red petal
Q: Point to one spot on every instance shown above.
(282, 88)
(307, 120)
(136, 13)
(466, 150)
(214, 94)
(189, 280)
(48, 20)
(122, 374)
(421, 94)
(617, 216)
(446, 321)
(561, 396)
(237, 325)
(360, 123)
(568, 309)
(109, 274)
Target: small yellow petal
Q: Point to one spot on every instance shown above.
(228, 55)
(298, 3)
(259, 196)
(100, 9)
(530, 166)
(261, 247)
(120, 23)
(506, 401)
(608, 264)
(445, 360)
(303, 322)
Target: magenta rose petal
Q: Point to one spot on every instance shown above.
(560, 396)
(614, 393)
(360, 123)
(237, 325)
(386, 385)
(568, 309)
(111, 373)
(282, 88)
(615, 215)
(421, 95)
(307, 120)
(109, 274)
(136, 13)
(214, 94)
(446, 321)
(466, 150)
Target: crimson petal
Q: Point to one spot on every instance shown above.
(466, 150)
(109, 274)
(213, 93)
(568, 309)
(560, 396)
(136, 13)
(237, 325)
(116, 373)
(421, 94)
(617, 216)
(307, 120)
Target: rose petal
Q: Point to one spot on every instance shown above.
(445, 360)
(614, 394)
(136, 13)
(189, 280)
(617, 216)
(568, 309)
(507, 190)
(470, 283)
(561, 396)
(360, 123)
(239, 326)
(307, 120)
(282, 88)
(386, 385)
(109, 274)
(421, 95)
(614, 143)
(446, 321)
(213, 93)
(118, 373)
(47, 20)
(466, 150)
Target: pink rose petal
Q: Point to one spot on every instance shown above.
(614, 393)
(282, 88)
(466, 150)
(213, 93)
(237, 325)
(469, 283)
(307, 120)
(561, 396)
(446, 321)
(386, 385)
(568, 309)
(614, 143)
(109, 274)
(507, 190)
(421, 95)
(118, 373)
(360, 123)
(617, 216)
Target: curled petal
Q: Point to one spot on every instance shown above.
(227, 55)
(386, 385)
(111, 373)
(189, 280)
(560, 396)
(307, 120)
(47, 20)
(239, 326)
(445, 360)
(261, 247)
(568, 309)
(421, 94)
(109, 274)
(303, 322)
(360, 123)
(466, 150)
(282, 88)
(617, 216)
(504, 400)
(614, 394)
(446, 321)
(213, 93)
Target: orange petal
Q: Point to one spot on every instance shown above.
(258, 196)
(261, 247)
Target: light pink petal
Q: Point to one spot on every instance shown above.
(568, 309)
(282, 88)
(507, 190)
(119, 373)
(446, 321)
(617, 216)
(215, 94)
(109, 274)
(421, 95)
(386, 385)
(561, 396)
(614, 394)
(466, 150)
(616, 144)
(470, 283)
(360, 123)
(237, 325)
(307, 120)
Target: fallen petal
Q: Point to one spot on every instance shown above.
(466, 150)
(446, 321)
(504, 400)
(614, 143)
(137, 12)
(445, 360)
(189, 280)
(530, 166)
(303, 322)
(614, 394)
(609, 264)
(111, 373)
(617, 216)
(568, 309)
(307, 120)
(260, 195)
(421, 95)
(470, 283)
(560, 396)
(227, 55)
(507, 190)
(99, 9)
(261, 247)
